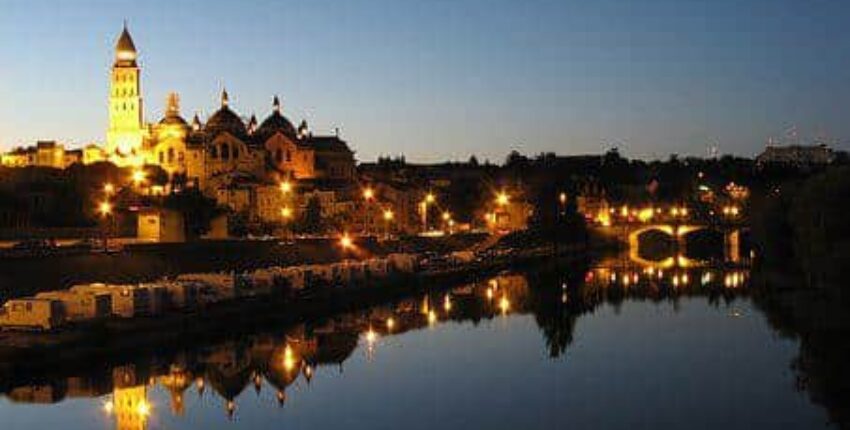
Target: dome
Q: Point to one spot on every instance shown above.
(276, 122)
(172, 112)
(125, 49)
(225, 120)
(173, 119)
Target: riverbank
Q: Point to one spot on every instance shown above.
(84, 344)
(147, 262)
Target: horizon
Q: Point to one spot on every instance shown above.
(394, 85)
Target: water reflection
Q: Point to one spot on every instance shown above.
(275, 359)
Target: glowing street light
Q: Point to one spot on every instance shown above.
(388, 215)
(108, 188)
(105, 208)
(286, 187)
(368, 193)
(502, 199)
(346, 242)
(138, 177)
(286, 212)
(429, 199)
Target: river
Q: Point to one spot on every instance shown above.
(602, 345)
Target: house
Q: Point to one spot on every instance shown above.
(32, 313)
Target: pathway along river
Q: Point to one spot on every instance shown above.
(612, 345)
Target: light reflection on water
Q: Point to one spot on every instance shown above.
(614, 346)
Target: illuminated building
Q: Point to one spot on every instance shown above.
(126, 131)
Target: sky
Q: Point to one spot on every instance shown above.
(445, 79)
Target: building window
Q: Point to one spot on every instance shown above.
(213, 151)
(181, 156)
(161, 157)
(170, 155)
(225, 151)
(235, 152)
(288, 156)
(278, 156)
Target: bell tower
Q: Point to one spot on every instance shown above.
(126, 129)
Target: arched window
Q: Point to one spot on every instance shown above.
(213, 151)
(161, 157)
(235, 152)
(288, 156)
(181, 156)
(170, 155)
(278, 155)
(225, 151)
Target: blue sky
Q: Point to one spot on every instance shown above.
(443, 79)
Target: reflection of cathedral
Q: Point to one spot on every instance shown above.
(224, 149)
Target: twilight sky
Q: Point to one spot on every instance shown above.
(443, 79)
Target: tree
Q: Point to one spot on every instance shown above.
(311, 220)
(198, 211)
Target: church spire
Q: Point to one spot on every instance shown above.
(224, 98)
(125, 49)
(276, 104)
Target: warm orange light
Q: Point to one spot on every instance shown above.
(502, 199)
(390, 323)
(105, 208)
(285, 187)
(388, 215)
(143, 408)
(138, 177)
(429, 198)
(286, 212)
(108, 407)
(288, 358)
(368, 193)
(447, 216)
(562, 198)
(346, 241)
(108, 188)
(504, 304)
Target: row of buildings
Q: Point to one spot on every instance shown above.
(242, 161)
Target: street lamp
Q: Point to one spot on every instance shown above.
(368, 194)
(502, 199)
(286, 187)
(388, 217)
(108, 188)
(346, 242)
(429, 199)
(105, 210)
(138, 177)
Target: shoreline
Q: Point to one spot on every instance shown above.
(116, 338)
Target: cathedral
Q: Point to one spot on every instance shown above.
(222, 150)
